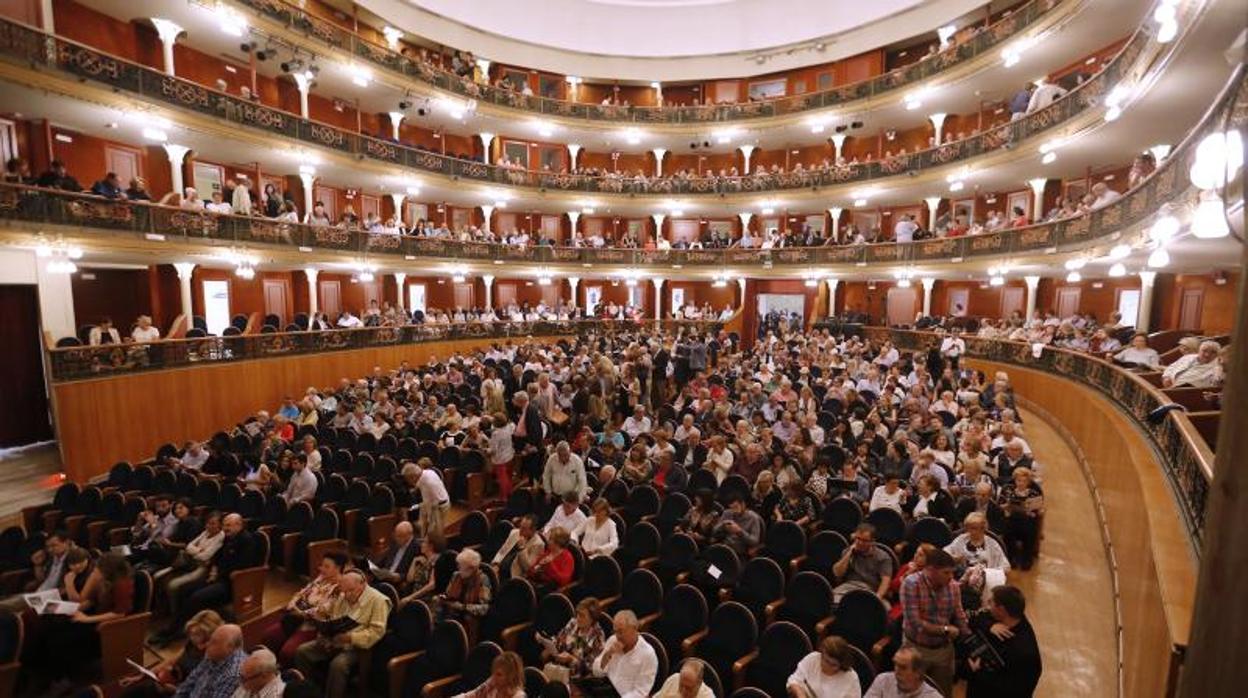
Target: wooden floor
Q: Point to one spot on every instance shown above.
(1069, 592)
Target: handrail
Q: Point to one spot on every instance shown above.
(1188, 462)
(1168, 183)
(332, 35)
(34, 47)
(83, 362)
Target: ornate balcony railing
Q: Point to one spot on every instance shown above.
(77, 363)
(31, 46)
(333, 35)
(1189, 470)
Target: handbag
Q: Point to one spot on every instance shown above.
(557, 673)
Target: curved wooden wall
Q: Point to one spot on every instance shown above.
(1152, 555)
(127, 417)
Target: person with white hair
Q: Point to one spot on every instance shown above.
(469, 591)
(564, 473)
(359, 618)
(1199, 370)
(686, 683)
(628, 663)
(217, 674)
(435, 501)
(260, 676)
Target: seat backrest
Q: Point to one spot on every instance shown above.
(762, 580)
(142, 592)
(642, 592)
(783, 644)
(679, 550)
(823, 550)
(474, 529)
(842, 515)
(477, 664)
(734, 628)
(785, 540)
(602, 576)
(448, 647)
(890, 526)
(643, 540)
(684, 611)
(553, 612)
(12, 636)
(811, 592)
(412, 625)
(660, 653)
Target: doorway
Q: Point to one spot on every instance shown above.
(1068, 301)
(216, 305)
(275, 300)
(24, 411)
(1190, 305)
(902, 306)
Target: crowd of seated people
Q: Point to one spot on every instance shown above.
(801, 434)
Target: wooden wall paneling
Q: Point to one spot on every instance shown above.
(1191, 299)
(330, 300)
(278, 300)
(120, 294)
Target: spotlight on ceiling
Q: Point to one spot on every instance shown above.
(404, 105)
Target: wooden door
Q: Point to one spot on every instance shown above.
(959, 302)
(1190, 304)
(329, 197)
(505, 295)
(124, 162)
(331, 299)
(276, 299)
(1067, 301)
(463, 295)
(550, 294)
(902, 305)
(1012, 299)
(371, 292)
(369, 204)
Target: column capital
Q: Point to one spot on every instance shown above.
(928, 283)
(835, 212)
(312, 273)
(933, 202)
(177, 153)
(396, 117)
(307, 178)
(658, 282)
(574, 216)
(184, 269)
(574, 281)
(745, 217)
(659, 152)
(1147, 277)
(658, 220)
(303, 81)
(1037, 186)
(1032, 281)
(838, 140)
(397, 197)
(488, 279)
(167, 30)
(832, 282)
(746, 149)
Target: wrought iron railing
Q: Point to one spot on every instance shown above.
(29, 45)
(333, 35)
(1188, 470)
(77, 363)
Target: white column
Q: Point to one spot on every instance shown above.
(400, 278)
(574, 282)
(489, 291)
(397, 199)
(303, 82)
(185, 270)
(938, 122)
(573, 151)
(1146, 300)
(835, 212)
(928, 283)
(487, 140)
(168, 32)
(838, 141)
(741, 287)
(396, 118)
(832, 284)
(658, 298)
(1037, 189)
(307, 175)
(486, 212)
(1033, 282)
(573, 217)
(658, 224)
(484, 65)
(177, 155)
(933, 203)
(658, 161)
(313, 305)
(747, 150)
(745, 217)
(47, 21)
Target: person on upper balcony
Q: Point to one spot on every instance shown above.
(103, 333)
(1104, 195)
(137, 191)
(1045, 94)
(219, 205)
(109, 187)
(1138, 353)
(57, 177)
(1199, 370)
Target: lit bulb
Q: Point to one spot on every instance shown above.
(1209, 221)
(1159, 258)
(1164, 229)
(43, 251)
(1113, 113)
(1167, 31)
(74, 253)
(1074, 277)
(957, 186)
(1049, 158)
(1218, 158)
(1120, 251)
(904, 283)
(997, 281)
(1075, 264)
(1118, 269)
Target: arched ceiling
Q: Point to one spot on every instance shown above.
(667, 39)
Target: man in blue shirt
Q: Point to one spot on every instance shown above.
(1019, 102)
(218, 674)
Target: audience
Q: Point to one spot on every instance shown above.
(826, 673)
(627, 665)
(357, 621)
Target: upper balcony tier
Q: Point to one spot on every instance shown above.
(1079, 109)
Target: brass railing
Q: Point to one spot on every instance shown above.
(76, 363)
(333, 35)
(1188, 470)
(33, 47)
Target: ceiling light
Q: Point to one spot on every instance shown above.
(860, 202)
(1209, 221)
(1049, 158)
(155, 134)
(360, 75)
(1160, 151)
(997, 280)
(230, 21)
(633, 136)
(1159, 258)
(1120, 251)
(719, 283)
(903, 283)
(1163, 229)
(1113, 113)
(725, 135)
(544, 128)
(1118, 269)
(307, 170)
(958, 185)
(413, 191)
(1218, 159)
(1075, 263)
(1167, 31)
(811, 283)
(573, 80)
(544, 281)
(1074, 277)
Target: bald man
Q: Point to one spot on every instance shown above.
(686, 683)
(238, 551)
(219, 673)
(392, 565)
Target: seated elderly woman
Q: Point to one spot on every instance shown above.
(555, 567)
(506, 679)
(597, 535)
(1023, 503)
(977, 554)
(578, 643)
(1199, 370)
(469, 592)
(312, 603)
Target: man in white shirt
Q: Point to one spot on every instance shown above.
(686, 683)
(302, 485)
(903, 231)
(719, 458)
(1045, 94)
(349, 321)
(1199, 370)
(434, 499)
(568, 515)
(219, 205)
(144, 332)
(905, 680)
(564, 473)
(638, 423)
(627, 661)
(952, 347)
(260, 676)
(1104, 195)
(194, 457)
